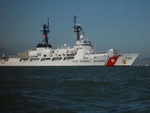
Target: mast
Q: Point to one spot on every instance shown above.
(45, 33)
(77, 29)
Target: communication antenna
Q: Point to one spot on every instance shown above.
(48, 24)
(74, 22)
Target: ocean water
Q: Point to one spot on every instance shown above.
(74, 89)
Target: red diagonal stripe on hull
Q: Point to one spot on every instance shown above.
(112, 61)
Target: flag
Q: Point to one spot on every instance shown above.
(43, 35)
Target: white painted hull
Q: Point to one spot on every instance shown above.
(120, 60)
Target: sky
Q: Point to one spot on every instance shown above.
(122, 25)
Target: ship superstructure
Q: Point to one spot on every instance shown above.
(81, 54)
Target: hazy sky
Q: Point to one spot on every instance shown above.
(119, 24)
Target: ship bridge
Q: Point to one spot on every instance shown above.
(86, 43)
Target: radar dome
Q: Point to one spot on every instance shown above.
(81, 36)
(111, 50)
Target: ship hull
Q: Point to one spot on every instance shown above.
(118, 60)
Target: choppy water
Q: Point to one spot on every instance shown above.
(75, 89)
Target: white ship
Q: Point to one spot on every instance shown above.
(81, 54)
